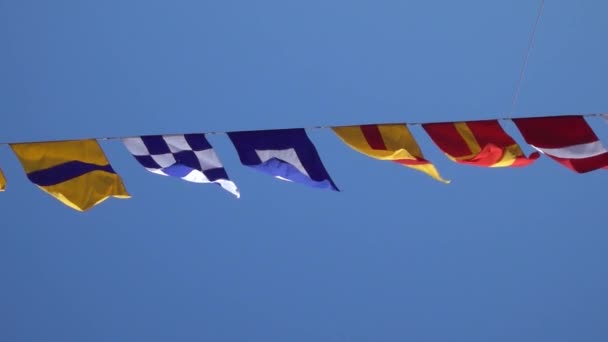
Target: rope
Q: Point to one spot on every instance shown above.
(524, 65)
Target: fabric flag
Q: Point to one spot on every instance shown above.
(388, 142)
(2, 181)
(567, 139)
(76, 172)
(286, 154)
(189, 157)
(479, 143)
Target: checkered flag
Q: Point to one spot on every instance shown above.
(189, 157)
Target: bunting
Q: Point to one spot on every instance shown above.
(77, 172)
(388, 142)
(286, 154)
(480, 143)
(188, 156)
(569, 140)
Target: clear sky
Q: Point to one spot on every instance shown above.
(498, 255)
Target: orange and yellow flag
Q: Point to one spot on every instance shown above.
(388, 142)
(480, 143)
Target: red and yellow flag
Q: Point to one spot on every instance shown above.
(480, 143)
(388, 142)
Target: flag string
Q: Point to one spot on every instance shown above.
(111, 138)
(524, 65)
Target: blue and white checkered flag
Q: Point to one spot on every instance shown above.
(189, 157)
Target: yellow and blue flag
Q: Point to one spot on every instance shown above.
(75, 172)
(2, 181)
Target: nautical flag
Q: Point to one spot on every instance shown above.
(2, 181)
(388, 142)
(286, 154)
(567, 139)
(76, 172)
(479, 143)
(189, 157)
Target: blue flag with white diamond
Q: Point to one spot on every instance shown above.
(189, 157)
(286, 154)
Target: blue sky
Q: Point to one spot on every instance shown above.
(499, 254)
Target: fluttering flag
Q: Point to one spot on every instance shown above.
(2, 181)
(388, 142)
(479, 143)
(189, 157)
(569, 140)
(75, 172)
(286, 154)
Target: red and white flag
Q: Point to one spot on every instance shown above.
(567, 139)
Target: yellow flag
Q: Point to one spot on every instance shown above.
(2, 181)
(75, 172)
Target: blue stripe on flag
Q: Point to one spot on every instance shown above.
(64, 172)
(181, 171)
(177, 170)
(276, 167)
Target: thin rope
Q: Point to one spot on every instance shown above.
(109, 138)
(524, 65)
